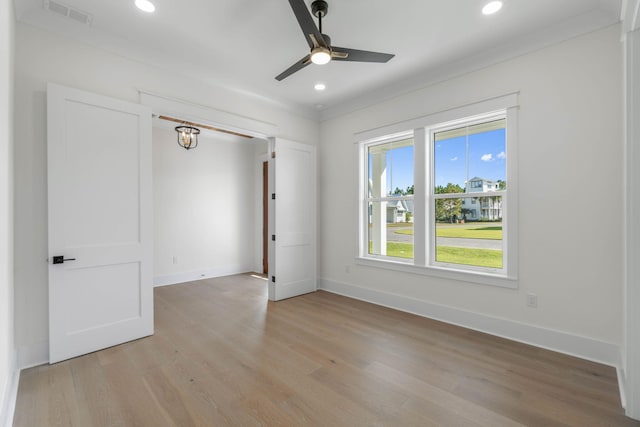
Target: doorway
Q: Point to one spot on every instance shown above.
(290, 260)
(265, 217)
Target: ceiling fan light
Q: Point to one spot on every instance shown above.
(145, 6)
(320, 55)
(492, 7)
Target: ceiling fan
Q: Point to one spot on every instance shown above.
(320, 44)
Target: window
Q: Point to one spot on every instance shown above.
(440, 197)
(390, 198)
(468, 161)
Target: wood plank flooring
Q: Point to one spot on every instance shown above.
(223, 355)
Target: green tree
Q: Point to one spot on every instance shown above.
(400, 192)
(448, 209)
(502, 185)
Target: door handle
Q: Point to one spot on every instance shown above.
(60, 259)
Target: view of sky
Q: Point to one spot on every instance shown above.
(400, 174)
(484, 157)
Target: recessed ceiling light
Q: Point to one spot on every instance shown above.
(492, 7)
(145, 6)
(320, 86)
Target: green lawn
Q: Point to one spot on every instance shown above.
(398, 224)
(489, 233)
(400, 250)
(468, 256)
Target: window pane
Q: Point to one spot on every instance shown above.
(450, 163)
(391, 228)
(391, 168)
(487, 157)
(470, 158)
(469, 231)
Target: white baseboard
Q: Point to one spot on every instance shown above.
(622, 385)
(562, 342)
(209, 273)
(33, 355)
(8, 407)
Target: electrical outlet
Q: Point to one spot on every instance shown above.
(175, 259)
(532, 300)
(347, 269)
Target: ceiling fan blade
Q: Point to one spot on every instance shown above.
(307, 24)
(295, 67)
(356, 55)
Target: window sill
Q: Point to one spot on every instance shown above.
(443, 273)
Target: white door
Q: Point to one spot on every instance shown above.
(292, 217)
(99, 171)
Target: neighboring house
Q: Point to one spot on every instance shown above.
(399, 211)
(482, 208)
(408, 204)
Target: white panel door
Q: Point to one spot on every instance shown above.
(99, 177)
(292, 217)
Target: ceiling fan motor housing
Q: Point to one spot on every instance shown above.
(319, 8)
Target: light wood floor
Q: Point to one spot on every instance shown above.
(222, 355)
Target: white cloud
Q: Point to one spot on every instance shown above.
(453, 159)
(487, 157)
(502, 155)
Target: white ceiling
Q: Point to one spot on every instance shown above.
(244, 44)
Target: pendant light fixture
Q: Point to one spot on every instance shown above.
(187, 136)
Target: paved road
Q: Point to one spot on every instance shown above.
(393, 236)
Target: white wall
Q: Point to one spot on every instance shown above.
(631, 348)
(7, 348)
(42, 57)
(203, 207)
(571, 201)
